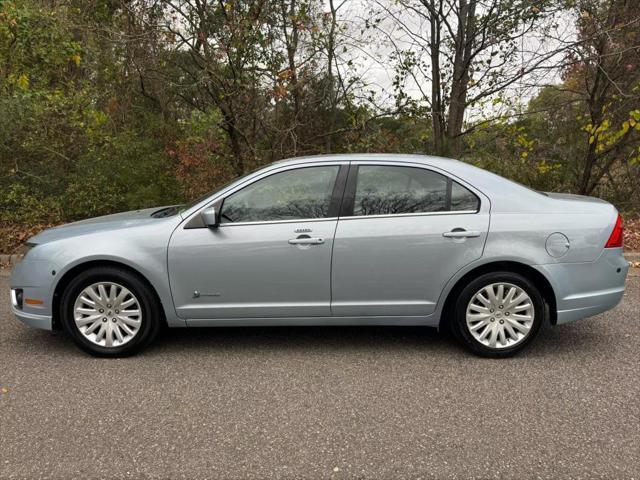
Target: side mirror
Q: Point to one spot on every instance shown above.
(210, 217)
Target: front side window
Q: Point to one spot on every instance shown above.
(303, 193)
(388, 190)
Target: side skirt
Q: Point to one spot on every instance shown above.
(428, 321)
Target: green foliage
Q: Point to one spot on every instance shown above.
(23, 205)
(140, 178)
(110, 106)
(69, 149)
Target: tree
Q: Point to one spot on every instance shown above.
(604, 73)
(468, 52)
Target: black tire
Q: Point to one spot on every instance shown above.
(151, 318)
(459, 323)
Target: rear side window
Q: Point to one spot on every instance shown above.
(389, 190)
(462, 198)
(303, 193)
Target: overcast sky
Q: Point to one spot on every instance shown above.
(371, 52)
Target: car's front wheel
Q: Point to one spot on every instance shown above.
(109, 312)
(498, 314)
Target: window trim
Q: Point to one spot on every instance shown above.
(194, 221)
(348, 204)
(334, 202)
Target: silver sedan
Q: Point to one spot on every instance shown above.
(332, 240)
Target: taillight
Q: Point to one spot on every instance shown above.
(617, 236)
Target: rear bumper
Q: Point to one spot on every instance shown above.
(586, 289)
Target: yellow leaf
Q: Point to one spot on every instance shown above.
(23, 81)
(592, 139)
(76, 59)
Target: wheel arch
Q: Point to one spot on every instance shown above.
(66, 278)
(527, 271)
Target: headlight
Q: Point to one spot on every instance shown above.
(17, 297)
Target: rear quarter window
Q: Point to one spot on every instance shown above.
(463, 199)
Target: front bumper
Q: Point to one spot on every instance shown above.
(586, 289)
(35, 279)
(35, 320)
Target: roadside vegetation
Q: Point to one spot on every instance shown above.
(112, 105)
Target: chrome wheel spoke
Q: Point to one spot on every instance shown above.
(502, 338)
(491, 295)
(500, 294)
(118, 333)
(127, 329)
(479, 308)
(107, 314)
(512, 333)
(509, 297)
(485, 332)
(500, 315)
(132, 322)
(87, 320)
(87, 300)
(484, 300)
(519, 326)
(93, 294)
(128, 303)
(493, 337)
(474, 317)
(516, 301)
(101, 332)
(478, 325)
(522, 306)
(102, 292)
(108, 336)
(94, 326)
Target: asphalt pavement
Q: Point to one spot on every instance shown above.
(356, 402)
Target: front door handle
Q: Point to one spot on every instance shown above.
(306, 241)
(461, 233)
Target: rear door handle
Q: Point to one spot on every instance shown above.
(306, 241)
(461, 233)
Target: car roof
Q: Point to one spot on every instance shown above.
(387, 157)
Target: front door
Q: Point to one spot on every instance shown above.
(405, 232)
(269, 257)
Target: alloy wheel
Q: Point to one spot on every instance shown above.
(500, 315)
(107, 314)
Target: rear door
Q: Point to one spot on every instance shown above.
(404, 231)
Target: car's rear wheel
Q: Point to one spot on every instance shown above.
(498, 314)
(110, 312)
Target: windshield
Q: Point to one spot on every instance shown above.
(192, 203)
(175, 209)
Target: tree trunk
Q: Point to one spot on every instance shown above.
(230, 126)
(291, 41)
(330, 56)
(464, 43)
(437, 118)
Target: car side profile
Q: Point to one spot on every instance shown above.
(332, 240)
